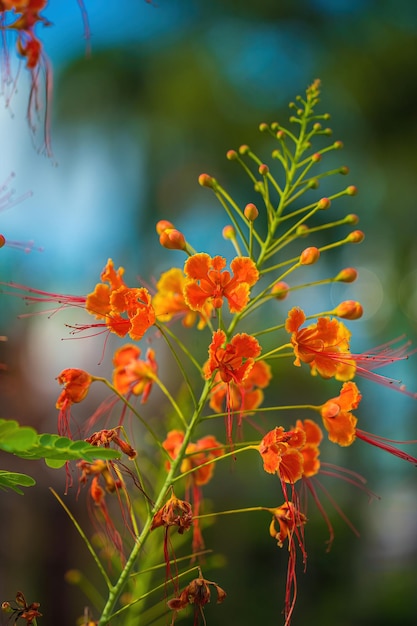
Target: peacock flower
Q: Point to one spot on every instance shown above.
(245, 397)
(169, 301)
(280, 452)
(76, 383)
(208, 281)
(323, 345)
(337, 417)
(310, 449)
(132, 374)
(198, 461)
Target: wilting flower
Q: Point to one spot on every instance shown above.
(209, 282)
(169, 301)
(197, 460)
(280, 452)
(106, 436)
(100, 471)
(337, 417)
(76, 384)
(198, 593)
(21, 609)
(132, 374)
(290, 522)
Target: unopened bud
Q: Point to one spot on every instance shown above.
(356, 236)
(338, 145)
(280, 134)
(244, 149)
(163, 225)
(317, 126)
(229, 232)
(316, 157)
(280, 290)
(206, 181)
(263, 127)
(348, 275)
(349, 310)
(351, 190)
(309, 256)
(352, 218)
(73, 576)
(251, 212)
(263, 169)
(302, 230)
(172, 239)
(231, 155)
(344, 170)
(324, 203)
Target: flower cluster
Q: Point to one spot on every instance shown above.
(237, 310)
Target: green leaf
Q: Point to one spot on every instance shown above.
(15, 438)
(11, 480)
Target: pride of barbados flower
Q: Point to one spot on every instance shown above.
(237, 307)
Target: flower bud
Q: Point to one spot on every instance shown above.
(351, 190)
(338, 145)
(229, 232)
(263, 169)
(352, 218)
(324, 203)
(349, 310)
(172, 239)
(309, 256)
(251, 212)
(280, 134)
(280, 290)
(244, 149)
(348, 275)
(356, 236)
(231, 155)
(206, 181)
(263, 127)
(316, 157)
(302, 230)
(344, 170)
(163, 225)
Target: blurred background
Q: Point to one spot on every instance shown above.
(168, 88)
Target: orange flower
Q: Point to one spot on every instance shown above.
(207, 282)
(281, 454)
(324, 346)
(244, 397)
(197, 456)
(76, 384)
(233, 360)
(132, 374)
(310, 450)
(169, 301)
(203, 451)
(337, 418)
(125, 310)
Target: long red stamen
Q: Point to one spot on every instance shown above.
(381, 442)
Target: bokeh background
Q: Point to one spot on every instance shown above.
(168, 88)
